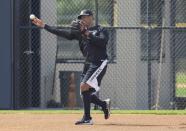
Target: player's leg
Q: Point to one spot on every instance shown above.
(86, 94)
(105, 105)
(91, 80)
(94, 98)
(85, 98)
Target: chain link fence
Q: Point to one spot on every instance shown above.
(146, 49)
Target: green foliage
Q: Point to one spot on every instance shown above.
(68, 10)
(180, 78)
(181, 92)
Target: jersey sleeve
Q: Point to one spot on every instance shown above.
(69, 34)
(101, 39)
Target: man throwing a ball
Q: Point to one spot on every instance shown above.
(92, 42)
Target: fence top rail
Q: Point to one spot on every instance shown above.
(118, 27)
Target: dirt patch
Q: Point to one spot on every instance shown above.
(65, 122)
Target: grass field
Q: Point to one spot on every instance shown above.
(181, 78)
(181, 92)
(181, 85)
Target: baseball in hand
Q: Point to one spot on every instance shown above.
(32, 16)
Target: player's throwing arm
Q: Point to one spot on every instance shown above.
(36, 21)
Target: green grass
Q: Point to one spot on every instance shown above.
(181, 92)
(181, 78)
(155, 112)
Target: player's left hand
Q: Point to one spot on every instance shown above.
(81, 26)
(84, 28)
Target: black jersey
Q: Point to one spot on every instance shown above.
(93, 47)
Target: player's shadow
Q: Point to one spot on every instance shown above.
(133, 125)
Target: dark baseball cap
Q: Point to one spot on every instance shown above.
(85, 13)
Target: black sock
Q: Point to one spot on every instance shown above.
(97, 101)
(86, 102)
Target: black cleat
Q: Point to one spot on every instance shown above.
(84, 121)
(106, 110)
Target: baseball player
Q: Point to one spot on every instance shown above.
(92, 42)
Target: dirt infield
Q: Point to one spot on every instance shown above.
(65, 122)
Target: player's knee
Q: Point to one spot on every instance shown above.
(84, 87)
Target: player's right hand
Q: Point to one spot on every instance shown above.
(38, 22)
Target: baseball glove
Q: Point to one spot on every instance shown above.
(79, 25)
